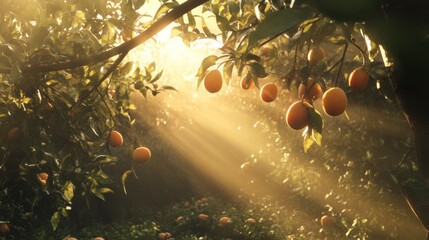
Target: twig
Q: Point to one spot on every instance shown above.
(404, 157)
(156, 27)
(111, 69)
(341, 63)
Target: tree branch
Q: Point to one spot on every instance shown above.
(156, 27)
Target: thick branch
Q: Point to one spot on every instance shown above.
(156, 27)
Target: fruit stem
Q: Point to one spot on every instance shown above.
(341, 63)
(362, 52)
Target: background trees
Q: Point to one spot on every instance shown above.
(65, 84)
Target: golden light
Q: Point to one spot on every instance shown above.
(217, 133)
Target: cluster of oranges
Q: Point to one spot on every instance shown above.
(334, 99)
(140, 154)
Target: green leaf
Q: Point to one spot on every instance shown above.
(206, 63)
(316, 120)
(68, 191)
(156, 78)
(278, 22)
(257, 69)
(165, 87)
(223, 24)
(317, 136)
(308, 141)
(252, 57)
(105, 190)
(165, 8)
(227, 71)
(55, 220)
(124, 178)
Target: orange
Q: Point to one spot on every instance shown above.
(12, 133)
(297, 116)
(358, 79)
(43, 176)
(247, 167)
(315, 55)
(268, 92)
(225, 220)
(334, 101)
(179, 219)
(115, 139)
(327, 221)
(4, 228)
(203, 217)
(251, 221)
(312, 90)
(213, 81)
(98, 238)
(266, 51)
(141, 155)
(247, 82)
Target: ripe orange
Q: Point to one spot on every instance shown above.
(98, 238)
(141, 155)
(312, 90)
(115, 139)
(203, 216)
(225, 220)
(251, 221)
(297, 116)
(334, 101)
(358, 79)
(268, 92)
(71, 238)
(12, 133)
(266, 51)
(4, 228)
(43, 176)
(327, 221)
(164, 235)
(247, 83)
(247, 167)
(179, 219)
(315, 55)
(213, 81)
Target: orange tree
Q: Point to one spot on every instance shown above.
(65, 85)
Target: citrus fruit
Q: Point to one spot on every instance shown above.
(12, 133)
(247, 167)
(310, 91)
(268, 92)
(327, 221)
(141, 155)
(115, 139)
(213, 81)
(358, 79)
(203, 216)
(297, 116)
(315, 55)
(251, 221)
(225, 220)
(247, 82)
(4, 228)
(334, 101)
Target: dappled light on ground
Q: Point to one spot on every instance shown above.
(217, 133)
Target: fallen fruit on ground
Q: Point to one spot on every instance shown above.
(315, 55)
(268, 92)
(310, 91)
(141, 155)
(98, 238)
(225, 220)
(247, 167)
(213, 81)
(251, 221)
(203, 216)
(115, 139)
(334, 101)
(298, 116)
(327, 221)
(358, 79)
